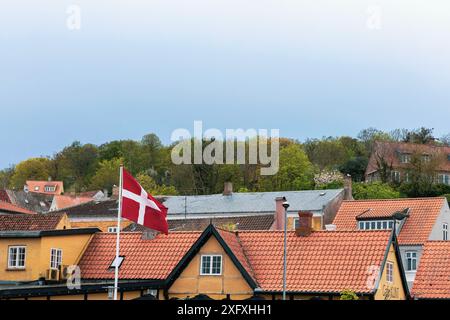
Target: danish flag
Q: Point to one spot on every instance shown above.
(140, 207)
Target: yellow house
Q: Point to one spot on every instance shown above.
(236, 265)
(32, 256)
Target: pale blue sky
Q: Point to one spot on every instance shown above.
(309, 68)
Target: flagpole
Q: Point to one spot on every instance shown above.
(119, 216)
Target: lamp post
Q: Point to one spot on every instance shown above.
(285, 206)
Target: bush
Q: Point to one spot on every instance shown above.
(374, 190)
(349, 295)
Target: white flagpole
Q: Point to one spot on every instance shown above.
(119, 216)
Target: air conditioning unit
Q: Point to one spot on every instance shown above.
(63, 272)
(52, 275)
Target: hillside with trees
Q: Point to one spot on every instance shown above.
(311, 164)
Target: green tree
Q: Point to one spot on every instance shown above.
(107, 175)
(374, 190)
(296, 171)
(5, 177)
(349, 295)
(31, 169)
(356, 167)
(149, 184)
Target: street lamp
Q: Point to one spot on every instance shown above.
(285, 206)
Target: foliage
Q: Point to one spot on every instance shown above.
(328, 179)
(349, 295)
(356, 167)
(374, 190)
(107, 175)
(31, 169)
(149, 184)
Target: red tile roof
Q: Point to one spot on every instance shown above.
(11, 208)
(417, 227)
(39, 186)
(35, 222)
(433, 276)
(325, 261)
(144, 259)
(63, 201)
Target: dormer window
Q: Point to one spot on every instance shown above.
(49, 188)
(376, 225)
(36, 188)
(211, 265)
(445, 231)
(405, 158)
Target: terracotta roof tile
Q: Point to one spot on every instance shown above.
(25, 222)
(325, 261)
(433, 276)
(417, 227)
(144, 259)
(9, 207)
(63, 201)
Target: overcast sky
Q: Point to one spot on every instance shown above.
(308, 68)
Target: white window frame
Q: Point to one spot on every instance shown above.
(405, 158)
(112, 229)
(445, 231)
(16, 264)
(375, 225)
(396, 176)
(55, 258)
(389, 272)
(49, 189)
(411, 256)
(444, 179)
(296, 223)
(211, 258)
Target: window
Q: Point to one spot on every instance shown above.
(118, 261)
(112, 229)
(411, 260)
(389, 272)
(296, 223)
(405, 158)
(445, 231)
(395, 175)
(55, 258)
(50, 188)
(444, 179)
(407, 179)
(211, 265)
(426, 158)
(16, 257)
(375, 225)
(36, 188)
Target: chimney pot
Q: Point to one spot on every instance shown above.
(348, 189)
(228, 188)
(279, 213)
(304, 224)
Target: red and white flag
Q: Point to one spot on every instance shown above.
(140, 207)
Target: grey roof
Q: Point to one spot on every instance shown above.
(36, 202)
(252, 202)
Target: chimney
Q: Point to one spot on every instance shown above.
(115, 191)
(105, 192)
(279, 213)
(304, 224)
(348, 192)
(49, 179)
(228, 188)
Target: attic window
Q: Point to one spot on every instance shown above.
(50, 188)
(36, 188)
(118, 261)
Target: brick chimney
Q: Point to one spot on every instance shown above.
(304, 224)
(279, 213)
(228, 188)
(115, 191)
(348, 190)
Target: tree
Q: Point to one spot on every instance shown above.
(149, 185)
(77, 163)
(31, 169)
(296, 171)
(327, 153)
(5, 177)
(369, 136)
(107, 175)
(356, 167)
(374, 190)
(422, 136)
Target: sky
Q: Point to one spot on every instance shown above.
(310, 68)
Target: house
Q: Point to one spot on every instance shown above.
(36, 202)
(235, 265)
(36, 256)
(393, 161)
(415, 221)
(433, 277)
(9, 208)
(66, 201)
(34, 222)
(45, 187)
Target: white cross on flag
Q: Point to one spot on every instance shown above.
(140, 207)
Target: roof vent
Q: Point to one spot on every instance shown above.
(322, 194)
